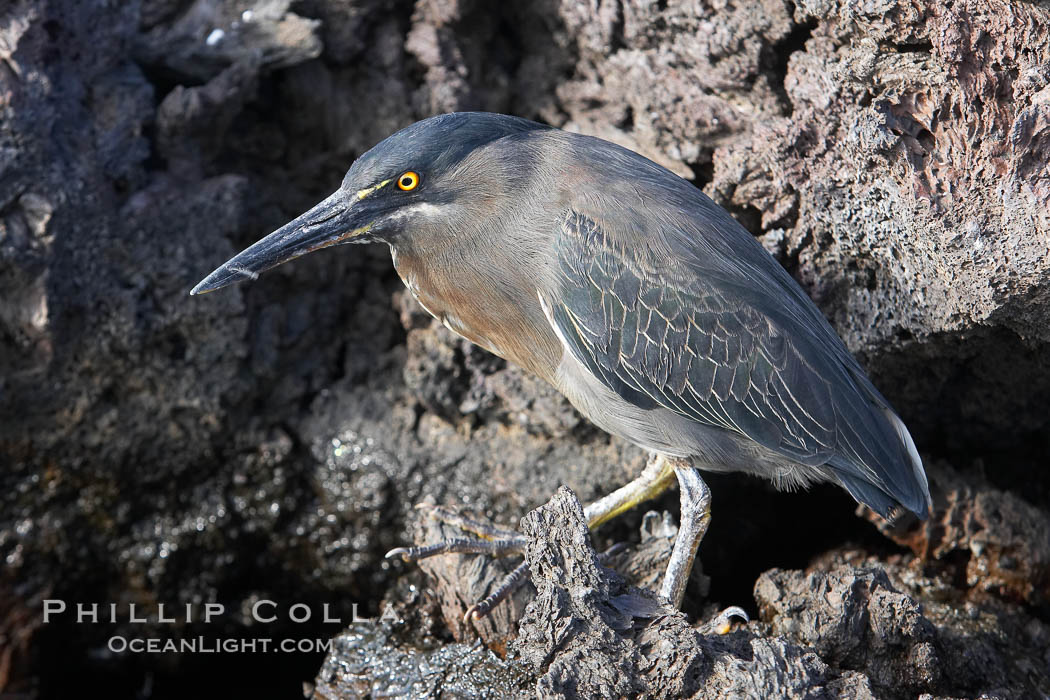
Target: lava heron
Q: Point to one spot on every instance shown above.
(626, 288)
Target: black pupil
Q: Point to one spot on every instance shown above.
(406, 181)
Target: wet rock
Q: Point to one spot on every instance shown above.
(589, 634)
(368, 660)
(851, 627)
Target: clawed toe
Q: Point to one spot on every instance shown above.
(460, 545)
(493, 540)
(512, 582)
(722, 623)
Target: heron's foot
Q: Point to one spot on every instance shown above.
(506, 588)
(723, 621)
(491, 539)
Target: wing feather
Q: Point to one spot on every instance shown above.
(661, 332)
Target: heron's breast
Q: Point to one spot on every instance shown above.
(483, 314)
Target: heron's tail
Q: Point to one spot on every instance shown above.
(899, 479)
(919, 502)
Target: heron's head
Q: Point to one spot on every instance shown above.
(405, 186)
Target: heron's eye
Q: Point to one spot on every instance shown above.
(408, 181)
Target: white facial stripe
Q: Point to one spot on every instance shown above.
(424, 208)
(427, 209)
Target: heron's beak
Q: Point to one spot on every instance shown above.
(339, 219)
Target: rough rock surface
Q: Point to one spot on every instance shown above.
(993, 540)
(849, 627)
(269, 441)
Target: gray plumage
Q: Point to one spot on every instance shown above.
(659, 316)
(674, 306)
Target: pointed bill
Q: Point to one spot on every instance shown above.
(338, 219)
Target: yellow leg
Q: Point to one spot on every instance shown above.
(657, 477)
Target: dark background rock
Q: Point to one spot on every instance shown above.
(268, 441)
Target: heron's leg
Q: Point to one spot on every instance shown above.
(695, 517)
(656, 478)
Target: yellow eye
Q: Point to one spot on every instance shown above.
(408, 181)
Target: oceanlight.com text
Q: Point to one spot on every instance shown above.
(205, 645)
